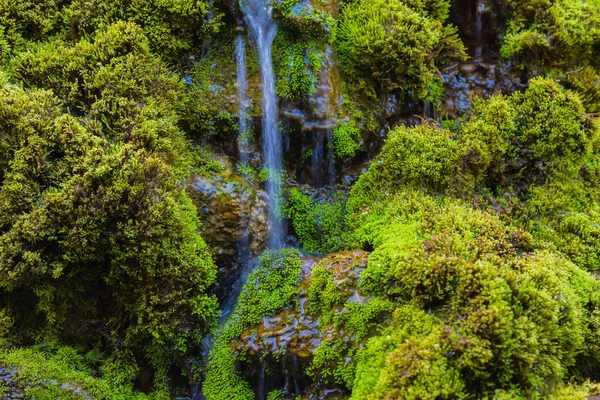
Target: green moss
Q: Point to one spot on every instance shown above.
(99, 157)
(558, 38)
(174, 28)
(330, 362)
(272, 285)
(299, 68)
(211, 99)
(361, 319)
(318, 223)
(300, 19)
(468, 263)
(323, 293)
(388, 45)
(346, 141)
(50, 371)
(275, 395)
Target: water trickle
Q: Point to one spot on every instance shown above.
(478, 29)
(258, 15)
(261, 384)
(243, 102)
(325, 103)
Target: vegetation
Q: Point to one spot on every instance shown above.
(456, 256)
(51, 371)
(98, 239)
(389, 45)
(272, 285)
(559, 39)
(317, 223)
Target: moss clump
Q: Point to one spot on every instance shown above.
(91, 202)
(466, 263)
(346, 141)
(516, 141)
(389, 45)
(557, 38)
(490, 239)
(318, 223)
(174, 28)
(323, 293)
(302, 19)
(50, 371)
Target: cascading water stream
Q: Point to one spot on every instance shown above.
(478, 28)
(258, 15)
(324, 103)
(242, 89)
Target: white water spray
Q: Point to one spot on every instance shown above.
(258, 15)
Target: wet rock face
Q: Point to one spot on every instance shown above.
(463, 81)
(12, 388)
(9, 380)
(234, 218)
(285, 342)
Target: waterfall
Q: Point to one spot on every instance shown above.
(242, 89)
(478, 28)
(324, 102)
(258, 15)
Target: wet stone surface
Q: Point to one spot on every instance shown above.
(285, 341)
(463, 81)
(8, 381)
(234, 218)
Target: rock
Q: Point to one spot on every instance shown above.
(290, 337)
(465, 80)
(234, 218)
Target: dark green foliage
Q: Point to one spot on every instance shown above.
(209, 109)
(318, 223)
(173, 28)
(98, 240)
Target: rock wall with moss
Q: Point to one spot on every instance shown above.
(441, 192)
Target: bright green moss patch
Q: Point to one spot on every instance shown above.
(318, 223)
(387, 45)
(50, 371)
(481, 240)
(272, 285)
(484, 289)
(346, 141)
